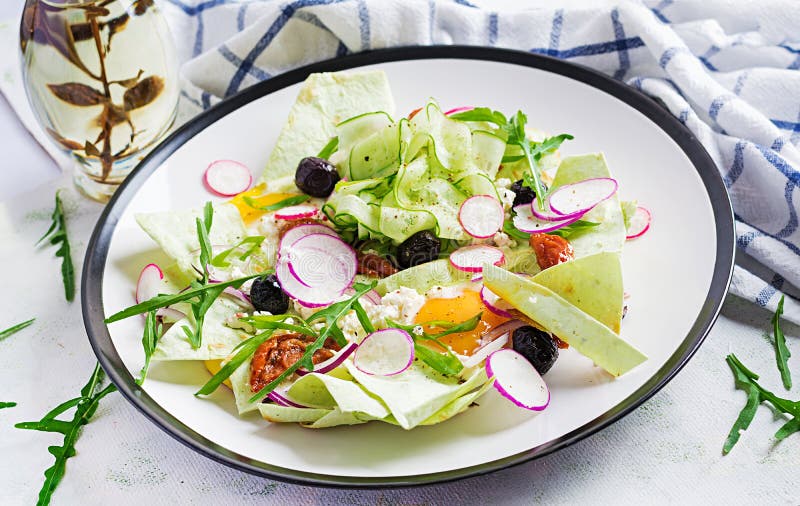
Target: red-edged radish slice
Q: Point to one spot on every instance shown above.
(295, 233)
(473, 258)
(517, 380)
(494, 303)
(458, 109)
(385, 352)
(304, 295)
(321, 260)
(227, 178)
(333, 362)
(282, 399)
(239, 297)
(372, 296)
(170, 315)
(582, 196)
(476, 278)
(525, 221)
(150, 283)
(549, 214)
(640, 223)
(481, 353)
(481, 216)
(297, 212)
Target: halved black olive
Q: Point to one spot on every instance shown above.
(420, 248)
(316, 176)
(266, 294)
(537, 346)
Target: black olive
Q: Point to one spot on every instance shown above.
(522, 194)
(418, 249)
(316, 176)
(537, 346)
(266, 294)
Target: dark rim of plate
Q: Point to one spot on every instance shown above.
(97, 251)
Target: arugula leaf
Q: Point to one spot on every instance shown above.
(782, 353)
(164, 300)
(15, 328)
(7, 405)
(363, 318)
(289, 201)
(481, 114)
(747, 380)
(254, 241)
(446, 363)
(272, 322)
(86, 405)
(331, 315)
(330, 148)
(152, 333)
(245, 349)
(57, 234)
(574, 228)
(514, 232)
(465, 326)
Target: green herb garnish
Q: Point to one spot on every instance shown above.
(245, 350)
(331, 315)
(15, 328)
(57, 234)
(289, 201)
(574, 228)
(86, 405)
(329, 148)
(152, 333)
(782, 353)
(756, 394)
(7, 405)
(446, 363)
(253, 243)
(514, 128)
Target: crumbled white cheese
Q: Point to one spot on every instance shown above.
(503, 183)
(502, 240)
(400, 306)
(418, 330)
(506, 198)
(445, 292)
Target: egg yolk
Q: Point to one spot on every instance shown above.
(249, 213)
(214, 366)
(456, 310)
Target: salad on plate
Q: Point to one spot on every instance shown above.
(389, 268)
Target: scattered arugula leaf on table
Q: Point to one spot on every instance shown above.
(57, 235)
(86, 404)
(782, 353)
(7, 404)
(15, 328)
(756, 394)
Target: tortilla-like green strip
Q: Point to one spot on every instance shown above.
(593, 284)
(423, 277)
(328, 392)
(325, 100)
(282, 414)
(580, 330)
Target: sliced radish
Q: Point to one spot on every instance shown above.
(297, 212)
(581, 196)
(517, 380)
(333, 362)
(525, 221)
(385, 352)
(227, 178)
(169, 315)
(295, 233)
(476, 278)
(481, 216)
(549, 215)
(304, 295)
(494, 303)
(640, 223)
(473, 258)
(150, 283)
(282, 399)
(239, 297)
(458, 109)
(509, 326)
(480, 354)
(318, 260)
(372, 296)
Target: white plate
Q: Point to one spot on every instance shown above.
(676, 274)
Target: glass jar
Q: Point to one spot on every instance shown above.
(101, 77)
